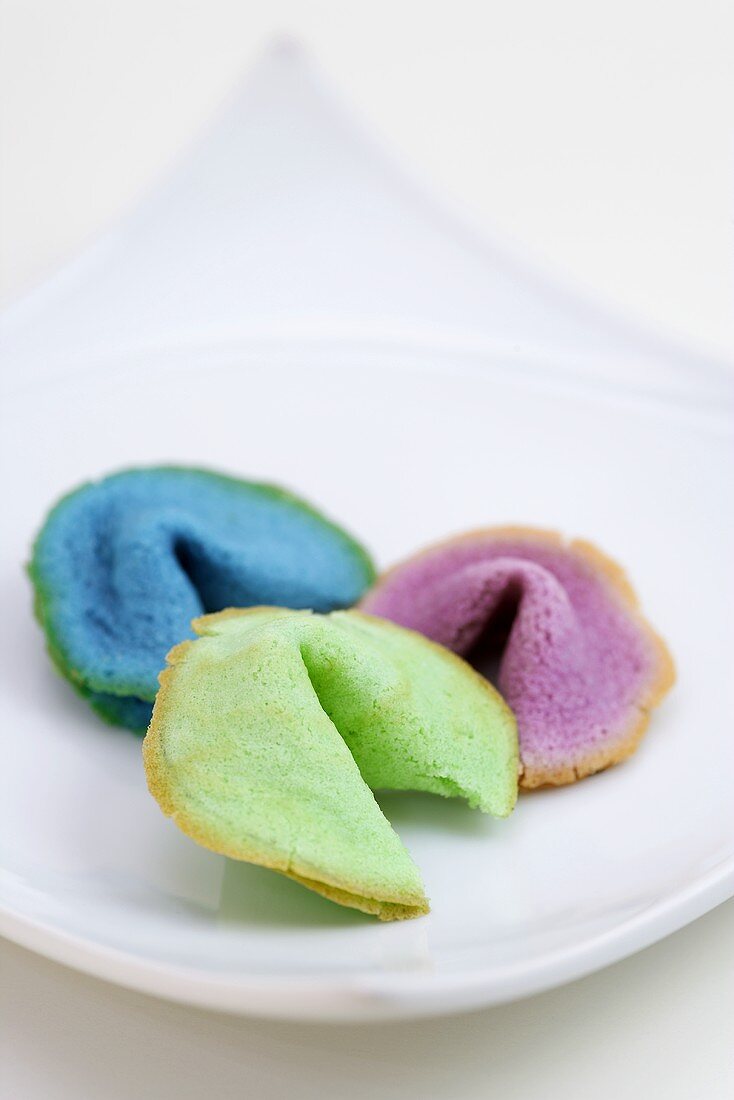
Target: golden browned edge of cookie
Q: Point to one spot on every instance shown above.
(620, 586)
(399, 908)
(200, 624)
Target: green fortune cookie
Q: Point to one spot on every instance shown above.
(270, 731)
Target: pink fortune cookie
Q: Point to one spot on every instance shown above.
(555, 625)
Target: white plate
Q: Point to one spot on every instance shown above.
(403, 445)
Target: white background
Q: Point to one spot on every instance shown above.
(598, 138)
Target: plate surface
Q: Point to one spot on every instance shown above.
(403, 445)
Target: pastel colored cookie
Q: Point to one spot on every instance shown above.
(555, 624)
(269, 731)
(122, 566)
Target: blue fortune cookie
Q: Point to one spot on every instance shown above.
(122, 566)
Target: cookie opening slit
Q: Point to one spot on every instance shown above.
(486, 652)
(193, 566)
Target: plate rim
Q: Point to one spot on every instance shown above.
(378, 996)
